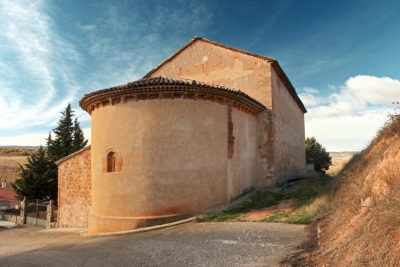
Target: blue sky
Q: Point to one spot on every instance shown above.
(341, 56)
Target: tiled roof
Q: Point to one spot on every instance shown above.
(7, 194)
(273, 61)
(168, 85)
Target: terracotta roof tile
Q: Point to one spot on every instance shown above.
(7, 194)
(163, 84)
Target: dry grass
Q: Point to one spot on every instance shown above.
(339, 160)
(9, 168)
(364, 227)
(13, 161)
(321, 206)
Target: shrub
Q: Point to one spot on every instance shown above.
(317, 154)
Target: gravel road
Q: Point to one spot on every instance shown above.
(192, 244)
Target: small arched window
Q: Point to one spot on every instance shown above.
(111, 162)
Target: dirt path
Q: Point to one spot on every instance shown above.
(265, 213)
(194, 244)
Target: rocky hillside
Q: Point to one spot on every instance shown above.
(364, 227)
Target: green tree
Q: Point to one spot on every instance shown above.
(79, 141)
(62, 145)
(68, 138)
(317, 154)
(37, 179)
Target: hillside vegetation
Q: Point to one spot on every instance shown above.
(15, 151)
(10, 157)
(363, 227)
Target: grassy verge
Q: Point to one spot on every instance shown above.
(312, 203)
(265, 199)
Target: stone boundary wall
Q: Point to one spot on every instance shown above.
(20, 217)
(9, 217)
(74, 189)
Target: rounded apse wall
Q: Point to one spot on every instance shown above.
(155, 160)
(172, 157)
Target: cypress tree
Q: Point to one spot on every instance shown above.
(62, 145)
(68, 138)
(79, 141)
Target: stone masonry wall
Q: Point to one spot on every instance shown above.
(75, 189)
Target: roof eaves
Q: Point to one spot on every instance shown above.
(58, 162)
(156, 83)
(288, 85)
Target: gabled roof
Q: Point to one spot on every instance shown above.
(273, 62)
(58, 162)
(7, 194)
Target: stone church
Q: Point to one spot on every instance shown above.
(204, 127)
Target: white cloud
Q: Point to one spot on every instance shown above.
(352, 116)
(34, 73)
(308, 99)
(332, 87)
(25, 140)
(310, 90)
(35, 139)
(373, 90)
(87, 27)
(346, 133)
(357, 94)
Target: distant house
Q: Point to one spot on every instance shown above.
(204, 127)
(7, 196)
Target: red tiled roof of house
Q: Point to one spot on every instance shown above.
(7, 194)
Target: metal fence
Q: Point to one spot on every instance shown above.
(37, 208)
(36, 212)
(9, 209)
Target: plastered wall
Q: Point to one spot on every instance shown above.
(213, 64)
(289, 151)
(74, 190)
(242, 168)
(174, 155)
